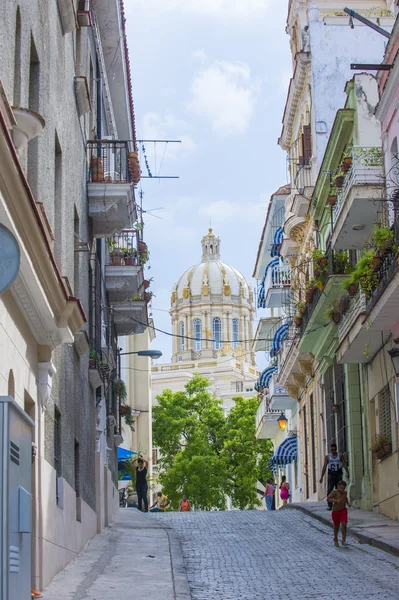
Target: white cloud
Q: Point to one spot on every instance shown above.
(239, 9)
(199, 55)
(155, 126)
(226, 95)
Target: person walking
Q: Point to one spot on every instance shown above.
(269, 491)
(333, 462)
(284, 490)
(184, 505)
(141, 482)
(339, 499)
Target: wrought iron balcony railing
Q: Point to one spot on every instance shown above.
(112, 161)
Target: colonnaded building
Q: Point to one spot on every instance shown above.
(212, 322)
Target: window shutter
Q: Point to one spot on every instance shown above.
(306, 145)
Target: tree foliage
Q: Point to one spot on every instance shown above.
(204, 454)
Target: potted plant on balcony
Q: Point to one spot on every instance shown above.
(94, 359)
(334, 313)
(310, 289)
(115, 253)
(119, 387)
(381, 447)
(383, 238)
(128, 417)
(144, 253)
(339, 179)
(96, 166)
(346, 163)
(332, 196)
(351, 285)
(342, 264)
(130, 256)
(298, 320)
(367, 277)
(301, 308)
(147, 282)
(148, 296)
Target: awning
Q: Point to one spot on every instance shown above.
(273, 263)
(278, 339)
(124, 454)
(262, 296)
(266, 375)
(285, 454)
(277, 241)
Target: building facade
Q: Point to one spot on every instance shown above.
(323, 244)
(212, 315)
(67, 192)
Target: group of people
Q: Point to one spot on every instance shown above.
(270, 490)
(161, 501)
(337, 497)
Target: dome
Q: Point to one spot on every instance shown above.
(212, 277)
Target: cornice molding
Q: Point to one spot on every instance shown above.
(303, 61)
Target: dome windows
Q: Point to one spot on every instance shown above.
(217, 333)
(181, 329)
(234, 330)
(197, 335)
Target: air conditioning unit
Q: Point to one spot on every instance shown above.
(84, 13)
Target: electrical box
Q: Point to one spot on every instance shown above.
(15, 500)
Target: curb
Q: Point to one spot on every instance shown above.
(180, 581)
(352, 530)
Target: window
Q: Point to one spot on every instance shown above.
(217, 333)
(235, 333)
(384, 412)
(57, 452)
(198, 334)
(181, 336)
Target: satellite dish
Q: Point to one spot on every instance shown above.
(10, 258)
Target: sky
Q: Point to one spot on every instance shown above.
(214, 74)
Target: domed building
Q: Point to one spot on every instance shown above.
(212, 322)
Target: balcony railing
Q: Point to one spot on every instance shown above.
(124, 248)
(111, 161)
(385, 272)
(264, 413)
(280, 276)
(366, 169)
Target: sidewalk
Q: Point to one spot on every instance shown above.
(136, 557)
(368, 527)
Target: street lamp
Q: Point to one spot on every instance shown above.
(394, 354)
(148, 353)
(282, 422)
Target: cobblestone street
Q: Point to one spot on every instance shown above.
(283, 555)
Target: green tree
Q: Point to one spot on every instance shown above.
(247, 457)
(206, 455)
(189, 430)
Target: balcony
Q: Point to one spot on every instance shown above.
(267, 426)
(317, 330)
(277, 286)
(353, 336)
(130, 318)
(110, 187)
(124, 275)
(358, 201)
(279, 397)
(263, 333)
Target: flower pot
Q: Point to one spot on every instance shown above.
(302, 310)
(134, 167)
(309, 295)
(339, 181)
(346, 164)
(92, 363)
(130, 261)
(123, 410)
(143, 249)
(336, 318)
(298, 321)
(332, 200)
(352, 289)
(387, 447)
(116, 256)
(147, 297)
(146, 284)
(376, 262)
(380, 453)
(97, 173)
(323, 261)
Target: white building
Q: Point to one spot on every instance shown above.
(212, 314)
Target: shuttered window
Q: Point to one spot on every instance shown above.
(385, 412)
(306, 146)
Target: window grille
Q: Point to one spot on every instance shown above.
(235, 333)
(385, 412)
(217, 333)
(198, 334)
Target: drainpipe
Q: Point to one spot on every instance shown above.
(99, 101)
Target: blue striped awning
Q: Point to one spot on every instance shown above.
(278, 339)
(266, 375)
(277, 241)
(273, 263)
(262, 296)
(285, 454)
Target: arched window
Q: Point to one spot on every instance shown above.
(217, 333)
(181, 336)
(234, 327)
(198, 334)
